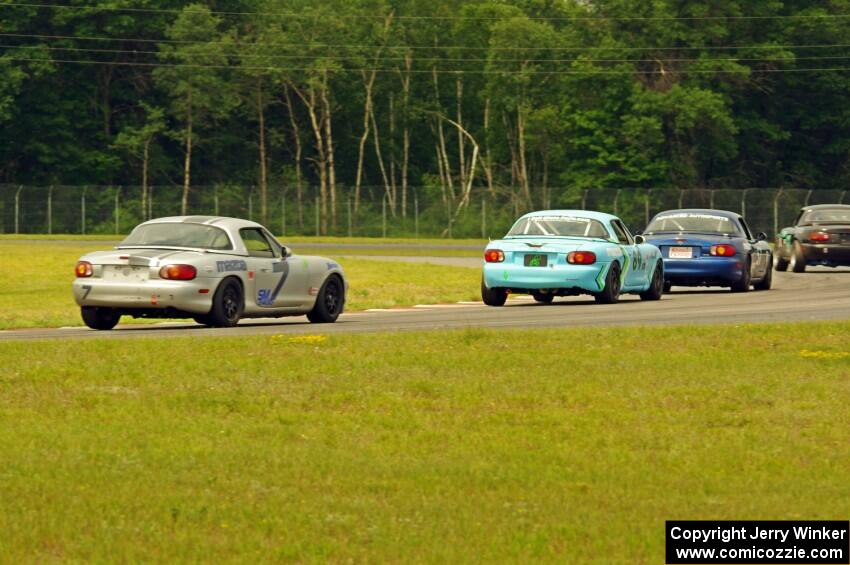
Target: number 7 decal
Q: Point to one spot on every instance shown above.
(87, 289)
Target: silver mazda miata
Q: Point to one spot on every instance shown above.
(215, 270)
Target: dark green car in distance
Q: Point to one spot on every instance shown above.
(820, 236)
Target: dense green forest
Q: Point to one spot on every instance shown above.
(529, 102)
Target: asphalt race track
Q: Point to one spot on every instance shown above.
(818, 294)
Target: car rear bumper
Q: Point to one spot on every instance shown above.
(186, 296)
(588, 278)
(703, 271)
(826, 254)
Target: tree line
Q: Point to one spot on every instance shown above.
(531, 102)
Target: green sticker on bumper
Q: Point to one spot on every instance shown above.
(600, 277)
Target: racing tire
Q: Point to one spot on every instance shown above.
(493, 296)
(611, 293)
(656, 285)
(203, 319)
(767, 280)
(227, 305)
(543, 297)
(329, 302)
(743, 284)
(798, 260)
(668, 287)
(100, 318)
(780, 263)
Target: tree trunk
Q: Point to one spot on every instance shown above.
(329, 144)
(105, 80)
(523, 166)
(466, 189)
(442, 138)
(440, 168)
(367, 110)
(145, 164)
(377, 142)
(486, 162)
(264, 185)
(404, 162)
(405, 157)
(296, 134)
(460, 149)
(393, 186)
(187, 163)
(309, 100)
(511, 139)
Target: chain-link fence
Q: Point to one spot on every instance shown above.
(422, 212)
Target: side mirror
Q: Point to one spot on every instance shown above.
(640, 239)
(285, 251)
(761, 236)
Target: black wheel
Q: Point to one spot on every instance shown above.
(743, 284)
(780, 263)
(100, 318)
(766, 281)
(798, 260)
(227, 306)
(493, 296)
(656, 285)
(329, 302)
(543, 297)
(667, 287)
(611, 293)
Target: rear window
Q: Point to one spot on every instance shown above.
(563, 226)
(828, 216)
(692, 222)
(178, 234)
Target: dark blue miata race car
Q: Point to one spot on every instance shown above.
(710, 248)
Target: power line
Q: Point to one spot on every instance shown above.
(300, 15)
(429, 71)
(448, 60)
(303, 45)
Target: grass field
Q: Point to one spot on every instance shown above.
(35, 290)
(555, 446)
(342, 253)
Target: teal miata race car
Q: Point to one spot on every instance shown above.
(570, 252)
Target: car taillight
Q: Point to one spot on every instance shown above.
(723, 250)
(178, 272)
(83, 269)
(494, 256)
(818, 236)
(581, 257)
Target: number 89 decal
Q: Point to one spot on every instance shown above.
(639, 261)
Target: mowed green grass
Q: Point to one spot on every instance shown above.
(343, 252)
(562, 446)
(35, 289)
